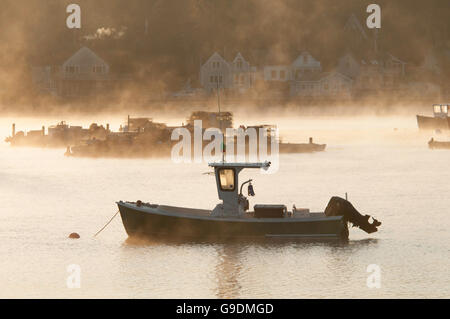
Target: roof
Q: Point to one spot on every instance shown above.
(300, 60)
(215, 56)
(84, 57)
(265, 165)
(239, 56)
(372, 58)
(354, 24)
(315, 77)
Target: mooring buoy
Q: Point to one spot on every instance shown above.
(74, 236)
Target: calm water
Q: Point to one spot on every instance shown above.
(388, 173)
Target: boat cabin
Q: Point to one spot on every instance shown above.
(441, 110)
(228, 188)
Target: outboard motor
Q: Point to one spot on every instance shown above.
(340, 207)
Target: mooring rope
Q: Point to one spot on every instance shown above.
(106, 224)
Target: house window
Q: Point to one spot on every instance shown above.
(226, 177)
(211, 79)
(325, 86)
(282, 74)
(274, 74)
(239, 64)
(242, 79)
(220, 79)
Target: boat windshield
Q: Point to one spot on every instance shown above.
(437, 109)
(226, 176)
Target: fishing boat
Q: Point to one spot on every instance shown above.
(309, 147)
(232, 219)
(59, 135)
(433, 144)
(270, 133)
(439, 121)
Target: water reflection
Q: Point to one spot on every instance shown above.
(228, 270)
(233, 267)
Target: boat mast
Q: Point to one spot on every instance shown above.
(220, 119)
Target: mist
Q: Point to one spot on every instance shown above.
(155, 47)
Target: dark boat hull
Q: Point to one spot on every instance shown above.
(433, 123)
(286, 148)
(150, 223)
(439, 145)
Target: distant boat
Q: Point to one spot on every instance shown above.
(283, 147)
(59, 135)
(142, 138)
(310, 147)
(438, 145)
(232, 219)
(440, 120)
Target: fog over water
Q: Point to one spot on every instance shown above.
(383, 163)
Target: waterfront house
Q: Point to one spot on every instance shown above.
(374, 72)
(305, 63)
(46, 78)
(215, 72)
(243, 74)
(237, 75)
(325, 85)
(83, 74)
(348, 65)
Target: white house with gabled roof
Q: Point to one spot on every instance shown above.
(217, 72)
(305, 63)
(243, 73)
(83, 73)
(84, 64)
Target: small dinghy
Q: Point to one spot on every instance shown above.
(231, 219)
